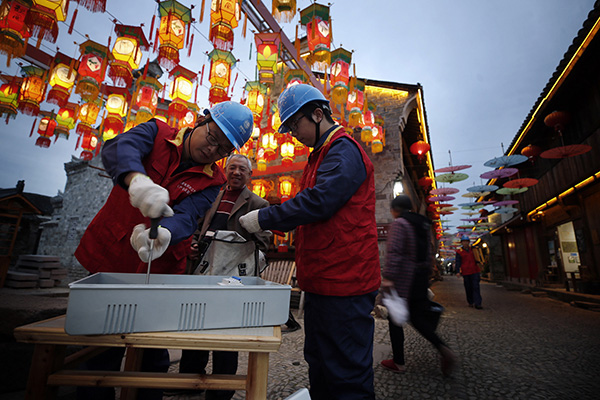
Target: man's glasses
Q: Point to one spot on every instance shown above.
(293, 125)
(212, 141)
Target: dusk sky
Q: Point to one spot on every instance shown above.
(482, 65)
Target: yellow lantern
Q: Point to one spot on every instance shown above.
(174, 17)
(287, 151)
(284, 10)
(261, 161)
(43, 18)
(116, 104)
(286, 187)
(377, 143)
(267, 55)
(315, 18)
(340, 75)
(355, 104)
(32, 90)
(65, 119)
(256, 98)
(269, 142)
(126, 53)
(182, 89)
(9, 96)
(220, 74)
(260, 187)
(88, 114)
(224, 17)
(146, 99)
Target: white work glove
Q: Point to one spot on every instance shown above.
(250, 222)
(151, 199)
(140, 241)
(397, 307)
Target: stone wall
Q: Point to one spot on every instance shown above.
(85, 193)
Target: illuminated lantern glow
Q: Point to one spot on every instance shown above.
(91, 70)
(377, 142)
(315, 19)
(425, 181)
(420, 149)
(220, 74)
(261, 161)
(295, 77)
(366, 134)
(286, 187)
(65, 120)
(181, 92)
(62, 80)
(9, 96)
(46, 131)
(146, 99)
(88, 114)
(43, 18)
(189, 119)
(270, 143)
(89, 144)
(355, 104)
(224, 17)
(267, 55)
(340, 75)
(175, 18)
(261, 187)
(275, 121)
(557, 120)
(248, 148)
(127, 53)
(256, 93)
(32, 90)
(283, 10)
(116, 109)
(13, 30)
(287, 151)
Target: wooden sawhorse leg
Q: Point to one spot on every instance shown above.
(47, 359)
(258, 373)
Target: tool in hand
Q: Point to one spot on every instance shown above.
(153, 235)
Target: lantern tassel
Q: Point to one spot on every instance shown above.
(201, 74)
(187, 37)
(190, 46)
(202, 11)
(145, 69)
(32, 126)
(297, 43)
(78, 140)
(234, 81)
(70, 31)
(156, 41)
(245, 24)
(152, 27)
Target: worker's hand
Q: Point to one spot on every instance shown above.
(386, 283)
(250, 222)
(140, 241)
(397, 307)
(151, 199)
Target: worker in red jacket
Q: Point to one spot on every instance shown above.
(468, 267)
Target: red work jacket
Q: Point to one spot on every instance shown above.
(105, 245)
(339, 256)
(468, 266)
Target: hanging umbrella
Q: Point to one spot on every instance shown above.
(444, 191)
(506, 190)
(499, 173)
(444, 220)
(470, 219)
(506, 203)
(482, 188)
(448, 209)
(505, 210)
(442, 205)
(487, 202)
(466, 226)
(475, 194)
(505, 161)
(452, 168)
(451, 177)
(440, 198)
(445, 212)
(471, 206)
(566, 151)
(470, 213)
(520, 183)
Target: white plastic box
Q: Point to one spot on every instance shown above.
(114, 303)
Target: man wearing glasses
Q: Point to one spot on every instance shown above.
(336, 247)
(159, 173)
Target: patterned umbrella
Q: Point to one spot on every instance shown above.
(499, 173)
(566, 151)
(440, 198)
(482, 188)
(451, 177)
(520, 183)
(506, 190)
(466, 226)
(444, 191)
(475, 194)
(506, 203)
(505, 210)
(452, 168)
(505, 161)
(471, 206)
(448, 209)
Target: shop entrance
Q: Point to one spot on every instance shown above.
(568, 253)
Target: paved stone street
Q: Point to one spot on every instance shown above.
(518, 347)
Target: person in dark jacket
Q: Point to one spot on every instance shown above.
(408, 265)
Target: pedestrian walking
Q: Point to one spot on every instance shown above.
(468, 267)
(405, 284)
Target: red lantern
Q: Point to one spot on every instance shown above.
(355, 104)
(174, 18)
(267, 55)
(127, 53)
(224, 17)
(425, 182)
(270, 143)
(46, 131)
(378, 139)
(315, 18)
(13, 30)
(189, 119)
(220, 75)
(116, 108)
(420, 149)
(261, 161)
(146, 99)
(261, 188)
(557, 120)
(531, 151)
(92, 67)
(287, 151)
(340, 75)
(9, 96)
(248, 148)
(89, 144)
(32, 90)
(286, 187)
(182, 89)
(43, 18)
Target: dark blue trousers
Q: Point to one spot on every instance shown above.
(339, 346)
(472, 288)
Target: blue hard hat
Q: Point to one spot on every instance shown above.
(235, 120)
(293, 98)
(465, 237)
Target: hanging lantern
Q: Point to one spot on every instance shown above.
(189, 119)
(275, 121)
(261, 188)
(267, 55)
(88, 114)
(299, 148)
(286, 187)
(256, 93)
(13, 30)
(283, 10)
(91, 70)
(62, 80)
(182, 89)
(295, 77)
(355, 104)
(65, 120)
(127, 53)
(377, 142)
(340, 75)
(9, 96)
(146, 99)
(420, 149)
(93, 5)
(315, 18)
(287, 150)
(220, 75)
(89, 144)
(43, 18)
(425, 181)
(261, 161)
(32, 90)
(248, 148)
(174, 18)
(366, 134)
(557, 120)
(116, 109)
(46, 131)
(224, 17)
(531, 151)
(270, 143)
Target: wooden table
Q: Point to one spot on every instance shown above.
(50, 368)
